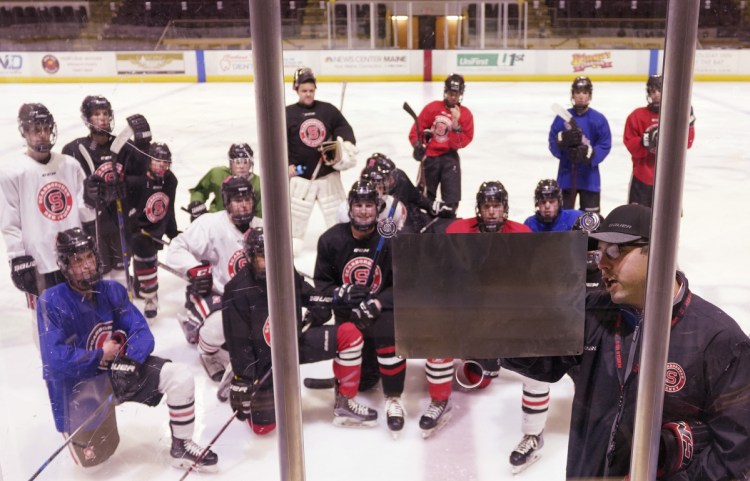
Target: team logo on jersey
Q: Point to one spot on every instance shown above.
(55, 201)
(267, 331)
(236, 263)
(357, 270)
(105, 169)
(441, 127)
(675, 378)
(156, 207)
(100, 334)
(312, 132)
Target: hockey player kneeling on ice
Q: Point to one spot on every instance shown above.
(343, 268)
(321, 144)
(151, 208)
(378, 176)
(248, 334)
(209, 253)
(96, 352)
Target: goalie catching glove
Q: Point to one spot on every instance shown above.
(141, 131)
(201, 279)
(339, 154)
(679, 444)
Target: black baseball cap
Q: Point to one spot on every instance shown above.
(626, 223)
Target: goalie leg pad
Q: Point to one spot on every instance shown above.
(99, 438)
(302, 192)
(330, 195)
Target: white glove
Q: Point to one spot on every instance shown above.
(348, 155)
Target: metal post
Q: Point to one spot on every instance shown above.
(349, 26)
(373, 26)
(265, 22)
(679, 57)
(505, 24)
(482, 26)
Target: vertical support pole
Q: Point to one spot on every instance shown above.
(265, 22)
(679, 58)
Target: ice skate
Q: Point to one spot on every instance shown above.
(347, 412)
(184, 452)
(437, 415)
(151, 307)
(215, 365)
(190, 326)
(526, 453)
(394, 412)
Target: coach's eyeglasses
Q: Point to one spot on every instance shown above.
(614, 251)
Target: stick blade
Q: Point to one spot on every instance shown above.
(121, 139)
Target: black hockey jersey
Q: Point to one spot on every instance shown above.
(307, 128)
(150, 204)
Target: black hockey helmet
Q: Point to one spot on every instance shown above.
(303, 75)
(654, 84)
(71, 243)
(364, 191)
(548, 189)
(454, 83)
(589, 222)
(237, 186)
(582, 83)
(491, 191)
(36, 114)
(254, 244)
(380, 159)
(159, 152)
(241, 159)
(97, 102)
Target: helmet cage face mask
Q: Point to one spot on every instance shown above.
(39, 118)
(91, 104)
(238, 189)
(74, 250)
(491, 191)
(253, 245)
(581, 84)
(241, 155)
(161, 159)
(454, 83)
(547, 189)
(363, 191)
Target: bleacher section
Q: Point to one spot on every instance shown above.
(41, 20)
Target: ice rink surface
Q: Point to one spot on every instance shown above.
(512, 120)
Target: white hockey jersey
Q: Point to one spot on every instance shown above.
(38, 201)
(214, 238)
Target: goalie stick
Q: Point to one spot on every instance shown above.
(387, 229)
(70, 438)
(420, 139)
(570, 123)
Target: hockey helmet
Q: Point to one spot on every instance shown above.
(378, 175)
(78, 259)
(491, 191)
(454, 83)
(379, 159)
(582, 84)
(653, 85)
(160, 155)
(97, 102)
(254, 244)
(36, 115)
(241, 159)
(238, 188)
(364, 191)
(547, 189)
(303, 75)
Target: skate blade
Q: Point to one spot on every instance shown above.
(186, 463)
(346, 422)
(426, 433)
(519, 469)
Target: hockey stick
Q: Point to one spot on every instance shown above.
(343, 91)
(420, 139)
(429, 224)
(570, 123)
(223, 428)
(96, 412)
(386, 229)
(90, 162)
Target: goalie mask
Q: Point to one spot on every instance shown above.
(548, 189)
(492, 206)
(581, 84)
(78, 259)
(303, 75)
(239, 200)
(363, 205)
(653, 93)
(161, 159)
(254, 247)
(37, 125)
(241, 160)
(97, 114)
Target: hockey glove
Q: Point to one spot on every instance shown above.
(350, 294)
(569, 138)
(241, 397)
(441, 209)
(23, 273)
(200, 279)
(650, 138)
(364, 315)
(581, 154)
(420, 150)
(94, 191)
(349, 153)
(141, 131)
(679, 443)
(126, 377)
(196, 209)
(427, 136)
